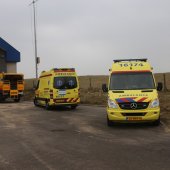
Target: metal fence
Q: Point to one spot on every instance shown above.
(95, 82)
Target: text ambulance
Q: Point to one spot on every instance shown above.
(132, 93)
(58, 87)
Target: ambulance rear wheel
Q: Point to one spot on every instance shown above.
(109, 122)
(73, 107)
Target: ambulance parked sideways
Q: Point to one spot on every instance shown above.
(132, 93)
(58, 87)
(11, 86)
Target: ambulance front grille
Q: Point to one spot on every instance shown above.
(134, 114)
(134, 105)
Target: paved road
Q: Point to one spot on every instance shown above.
(32, 138)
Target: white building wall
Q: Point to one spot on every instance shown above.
(11, 68)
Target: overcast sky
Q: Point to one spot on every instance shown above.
(88, 34)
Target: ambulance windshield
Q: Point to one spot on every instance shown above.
(132, 81)
(65, 82)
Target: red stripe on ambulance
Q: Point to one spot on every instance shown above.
(142, 99)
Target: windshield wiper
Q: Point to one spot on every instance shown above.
(147, 91)
(117, 91)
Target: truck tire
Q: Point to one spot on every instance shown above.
(2, 99)
(17, 100)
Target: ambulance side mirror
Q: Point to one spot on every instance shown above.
(104, 88)
(159, 86)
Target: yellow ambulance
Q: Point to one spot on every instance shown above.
(58, 87)
(132, 93)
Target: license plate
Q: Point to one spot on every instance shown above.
(60, 101)
(134, 118)
(62, 92)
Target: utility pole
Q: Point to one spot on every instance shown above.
(35, 39)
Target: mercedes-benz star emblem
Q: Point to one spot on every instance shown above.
(133, 105)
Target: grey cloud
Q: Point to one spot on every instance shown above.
(88, 34)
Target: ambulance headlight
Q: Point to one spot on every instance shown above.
(155, 103)
(112, 104)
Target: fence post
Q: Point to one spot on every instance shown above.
(90, 82)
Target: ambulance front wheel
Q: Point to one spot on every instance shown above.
(157, 122)
(109, 122)
(47, 106)
(35, 101)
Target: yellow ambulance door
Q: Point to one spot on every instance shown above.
(72, 89)
(67, 88)
(46, 88)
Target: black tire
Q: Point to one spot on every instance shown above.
(47, 106)
(109, 122)
(35, 101)
(73, 107)
(2, 100)
(17, 100)
(157, 122)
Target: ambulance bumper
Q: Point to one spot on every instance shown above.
(147, 115)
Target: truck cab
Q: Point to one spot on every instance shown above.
(11, 86)
(132, 93)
